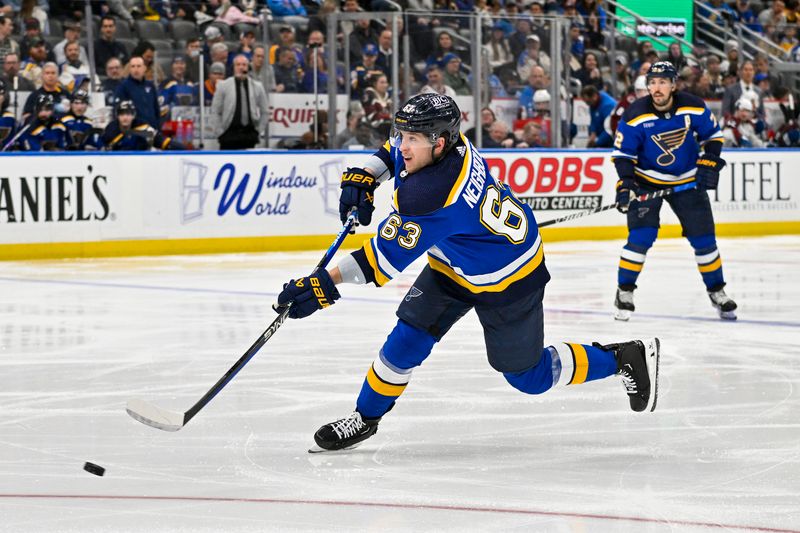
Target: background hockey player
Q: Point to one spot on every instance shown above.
(658, 145)
(741, 130)
(8, 124)
(83, 134)
(129, 133)
(484, 253)
(46, 133)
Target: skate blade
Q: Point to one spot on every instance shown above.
(622, 315)
(727, 315)
(652, 353)
(316, 449)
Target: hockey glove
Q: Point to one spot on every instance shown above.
(358, 190)
(308, 294)
(626, 191)
(708, 168)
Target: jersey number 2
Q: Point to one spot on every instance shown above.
(503, 217)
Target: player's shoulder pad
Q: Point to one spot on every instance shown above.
(58, 126)
(638, 108)
(8, 114)
(427, 190)
(67, 118)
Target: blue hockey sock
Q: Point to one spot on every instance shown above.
(631, 261)
(564, 364)
(709, 262)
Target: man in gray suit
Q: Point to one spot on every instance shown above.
(746, 83)
(240, 107)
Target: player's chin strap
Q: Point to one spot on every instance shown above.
(642, 198)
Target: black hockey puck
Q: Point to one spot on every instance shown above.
(92, 468)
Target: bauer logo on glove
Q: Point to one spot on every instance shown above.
(308, 295)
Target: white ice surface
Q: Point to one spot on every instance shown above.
(462, 450)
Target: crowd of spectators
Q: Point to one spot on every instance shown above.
(148, 55)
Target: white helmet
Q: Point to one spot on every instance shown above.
(640, 84)
(541, 96)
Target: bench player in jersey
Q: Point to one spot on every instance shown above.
(658, 145)
(484, 252)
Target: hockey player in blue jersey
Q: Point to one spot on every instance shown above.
(83, 134)
(8, 124)
(484, 252)
(46, 133)
(131, 134)
(658, 144)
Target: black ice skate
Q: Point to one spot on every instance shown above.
(637, 365)
(344, 434)
(623, 304)
(723, 303)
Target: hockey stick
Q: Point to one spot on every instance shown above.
(159, 418)
(16, 137)
(642, 198)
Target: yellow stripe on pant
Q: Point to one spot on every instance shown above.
(581, 364)
(381, 387)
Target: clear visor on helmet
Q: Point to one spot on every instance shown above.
(412, 138)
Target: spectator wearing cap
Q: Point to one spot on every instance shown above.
(601, 106)
(114, 76)
(49, 86)
(212, 36)
(73, 72)
(33, 30)
(286, 39)
(453, 76)
(247, 39)
(7, 44)
(623, 84)
(141, 91)
(436, 84)
(178, 89)
(32, 66)
(532, 56)
(82, 133)
(746, 85)
(216, 73)
(107, 46)
(731, 61)
(72, 32)
(288, 75)
(367, 67)
(363, 34)
(240, 107)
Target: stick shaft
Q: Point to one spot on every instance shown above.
(268, 333)
(642, 198)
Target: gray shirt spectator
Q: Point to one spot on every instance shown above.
(72, 32)
(7, 44)
(240, 108)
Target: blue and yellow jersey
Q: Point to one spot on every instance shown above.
(8, 127)
(140, 137)
(82, 133)
(177, 93)
(45, 137)
(664, 147)
(482, 242)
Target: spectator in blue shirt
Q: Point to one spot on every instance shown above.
(601, 105)
(286, 8)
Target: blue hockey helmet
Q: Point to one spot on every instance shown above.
(662, 69)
